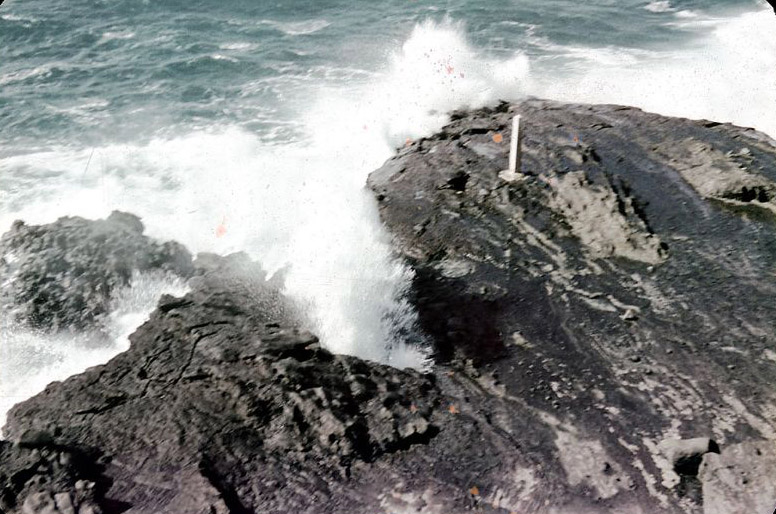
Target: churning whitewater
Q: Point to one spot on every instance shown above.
(173, 128)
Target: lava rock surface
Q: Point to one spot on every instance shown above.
(619, 290)
(62, 276)
(603, 343)
(222, 404)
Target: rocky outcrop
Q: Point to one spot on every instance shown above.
(620, 290)
(686, 455)
(223, 404)
(62, 276)
(603, 343)
(728, 178)
(730, 480)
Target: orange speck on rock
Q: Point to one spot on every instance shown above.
(453, 409)
(408, 142)
(474, 491)
(413, 408)
(497, 137)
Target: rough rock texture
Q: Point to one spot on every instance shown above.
(49, 479)
(223, 405)
(62, 275)
(729, 479)
(686, 455)
(621, 293)
(723, 177)
(603, 332)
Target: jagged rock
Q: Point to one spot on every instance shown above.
(47, 479)
(730, 177)
(61, 275)
(686, 454)
(222, 398)
(739, 480)
(618, 291)
(602, 303)
(606, 223)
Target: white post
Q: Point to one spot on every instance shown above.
(515, 151)
(515, 146)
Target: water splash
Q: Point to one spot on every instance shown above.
(30, 360)
(727, 74)
(301, 207)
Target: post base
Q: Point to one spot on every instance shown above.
(510, 176)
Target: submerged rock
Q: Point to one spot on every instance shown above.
(602, 326)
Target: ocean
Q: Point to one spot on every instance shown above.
(252, 126)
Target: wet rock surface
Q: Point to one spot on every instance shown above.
(621, 290)
(603, 341)
(61, 276)
(38, 477)
(222, 404)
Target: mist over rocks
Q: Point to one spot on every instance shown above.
(603, 343)
(224, 404)
(62, 276)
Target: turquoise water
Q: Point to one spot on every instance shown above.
(251, 126)
(91, 71)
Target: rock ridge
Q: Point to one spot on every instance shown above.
(603, 343)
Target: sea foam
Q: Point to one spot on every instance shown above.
(727, 74)
(30, 360)
(300, 206)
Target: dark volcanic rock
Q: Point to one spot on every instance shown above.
(686, 454)
(223, 405)
(46, 479)
(603, 327)
(621, 291)
(62, 275)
